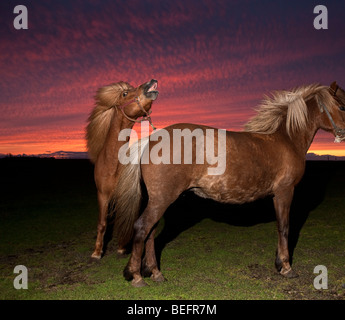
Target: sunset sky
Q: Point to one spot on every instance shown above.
(214, 61)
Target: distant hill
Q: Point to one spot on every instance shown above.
(56, 155)
(84, 155)
(66, 155)
(327, 157)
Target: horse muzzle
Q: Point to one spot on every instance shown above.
(150, 90)
(339, 135)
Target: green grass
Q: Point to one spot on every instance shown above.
(48, 217)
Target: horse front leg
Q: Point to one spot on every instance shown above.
(102, 224)
(282, 202)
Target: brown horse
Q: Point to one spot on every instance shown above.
(267, 159)
(118, 106)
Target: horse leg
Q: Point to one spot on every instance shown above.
(142, 229)
(149, 263)
(102, 224)
(282, 201)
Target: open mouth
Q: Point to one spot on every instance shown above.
(339, 138)
(153, 87)
(150, 89)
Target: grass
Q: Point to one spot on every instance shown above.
(48, 216)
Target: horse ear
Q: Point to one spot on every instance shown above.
(333, 85)
(333, 88)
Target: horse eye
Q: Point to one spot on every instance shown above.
(342, 108)
(125, 94)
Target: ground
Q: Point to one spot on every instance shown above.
(48, 218)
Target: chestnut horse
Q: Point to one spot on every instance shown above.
(118, 106)
(266, 159)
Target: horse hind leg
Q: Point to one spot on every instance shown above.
(149, 267)
(142, 229)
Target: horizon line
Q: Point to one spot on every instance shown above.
(61, 154)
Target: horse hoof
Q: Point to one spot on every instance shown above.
(121, 255)
(290, 274)
(121, 251)
(139, 283)
(158, 277)
(96, 256)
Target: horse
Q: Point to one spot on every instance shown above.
(266, 159)
(118, 106)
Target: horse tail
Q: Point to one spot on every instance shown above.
(126, 199)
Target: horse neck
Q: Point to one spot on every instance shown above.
(304, 138)
(112, 144)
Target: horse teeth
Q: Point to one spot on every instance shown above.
(153, 87)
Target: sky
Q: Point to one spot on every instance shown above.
(214, 61)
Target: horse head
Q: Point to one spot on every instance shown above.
(132, 102)
(333, 118)
(136, 102)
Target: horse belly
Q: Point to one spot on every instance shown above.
(234, 189)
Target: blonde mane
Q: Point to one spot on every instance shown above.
(289, 106)
(100, 118)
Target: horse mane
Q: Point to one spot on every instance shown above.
(289, 105)
(101, 116)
